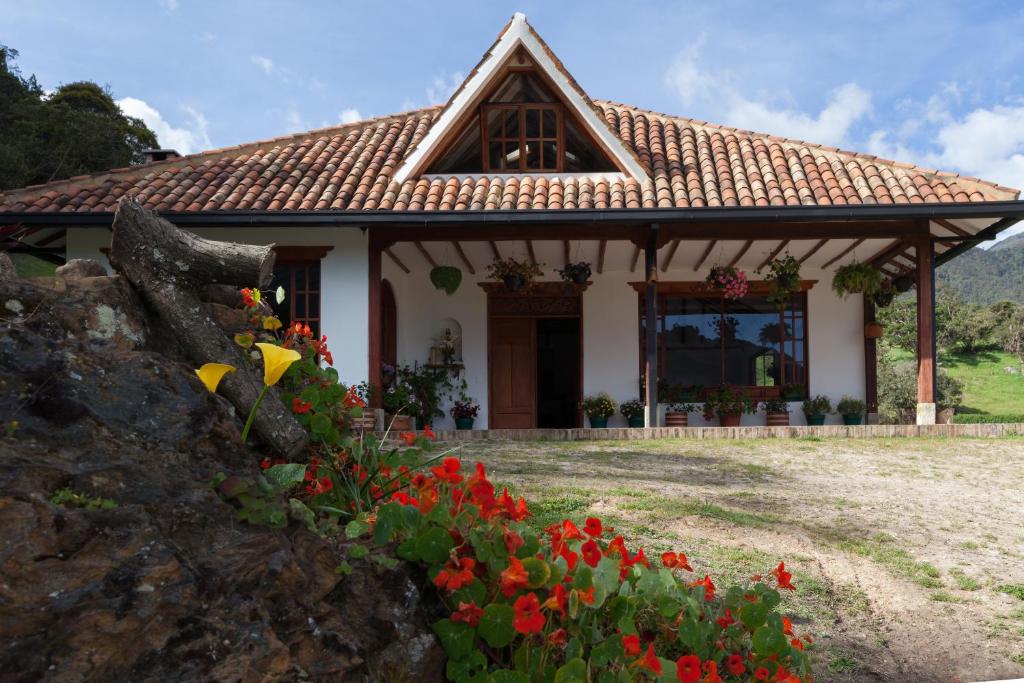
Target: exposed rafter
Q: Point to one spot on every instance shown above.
(670, 255)
(465, 259)
(529, 250)
(397, 261)
(704, 256)
(426, 254)
(775, 252)
(600, 256)
(636, 258)
(565, 252)
(844, 252)
(813, 251)
(953, 228)
(494, 250)
(743, 250)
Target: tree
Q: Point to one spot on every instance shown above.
(897, 390)
(1013, 337)
(959, 326)
(78, 129)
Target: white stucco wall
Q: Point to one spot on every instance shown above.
(343, 281)
(610, 325)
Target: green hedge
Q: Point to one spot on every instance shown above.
(974, 418)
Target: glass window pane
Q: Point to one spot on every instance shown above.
(494, 123)
(550, 127)
(752, 333)
(300, 306)
(533, 154)
(549, 150)
(532, 123)
(692, 348)
(494, 155)
(511, 123)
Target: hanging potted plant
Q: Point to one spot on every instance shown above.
(576, 273)
(776, 412)
(464, 412)
(447, 278)
(513, 273)
(873, 330)
(633, 411)
(852, 410)
(817, 409)
(728, 404)
(885, 295)
(857, 278)
(783, 278)
(730, 281)
(598, 409)
(902, 283)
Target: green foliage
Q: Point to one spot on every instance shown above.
(600, 405)
(67, 496)
(897, 389)
(499, 269)
(857, 278)
(446, 278)
(987, 276)
(819, 405)
(959, 326)
(632, 409)
(775, 405)
(783, 276)
(78, 129)
(849, 405)
(726, 400)
(984, 418)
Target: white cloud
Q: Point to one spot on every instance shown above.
(350, 116)
(208, 36)
(716, 90)
(294, 123)
(186, 140)
(264, 63)
(169, 5)
(441, 89)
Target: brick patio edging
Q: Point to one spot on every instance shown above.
(827, 431)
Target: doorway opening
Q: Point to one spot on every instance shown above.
(558, 372)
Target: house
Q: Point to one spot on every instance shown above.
(521, 162)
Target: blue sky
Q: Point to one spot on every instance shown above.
(934, 83)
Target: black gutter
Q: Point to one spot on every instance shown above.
(983, 235)
(638, 217)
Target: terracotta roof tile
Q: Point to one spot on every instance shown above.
(691, 163)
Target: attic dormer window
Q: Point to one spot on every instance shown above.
(522, 137)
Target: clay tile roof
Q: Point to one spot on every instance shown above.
(690, 164)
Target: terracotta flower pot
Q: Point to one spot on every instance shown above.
(873, 331)
(400, 423)
(730, 419)
(777, 419)
(677, 419)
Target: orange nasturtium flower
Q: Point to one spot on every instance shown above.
(783, 577)
(212, 373)
(275, 361)
(527, 617)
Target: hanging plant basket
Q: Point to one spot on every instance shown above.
(903, 283)
(730, 281)
(783, 278)
(447, 278)
(884, 297)
(576, 273)
(514, 274)
(857, 278)
(873, 331)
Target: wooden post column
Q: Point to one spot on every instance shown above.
(651, 327)
(870, 365)
(925, 256)
(374, 319)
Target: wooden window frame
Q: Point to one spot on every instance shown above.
(521, 140)
(293, 258)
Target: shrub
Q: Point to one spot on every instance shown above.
(726, 400)
(599, 405)
(464, 409)
(850, 406)
(897, 390)
(632, 409)
(819, 405)
(775, 405)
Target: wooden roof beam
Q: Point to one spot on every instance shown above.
(494, 250)
(529, 250)
(704, 256)
(396, 260)
(565, 252)
(670, 255)
(426, 254)
(636, 258)
(465, 259)
(600, 256)
(953, 228)
(813, 251)
(775, 252)
(844, 252)
(743, 250)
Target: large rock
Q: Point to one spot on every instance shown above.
(167, 585)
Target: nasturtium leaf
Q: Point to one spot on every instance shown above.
(584, 578)
(279, 295)
(771, 598)
(456, 638)
(356, 528)
(531, 544)
(606, 574)
(388, 517)
(320, 424)
(286, 475)
(475, 592)
(573, 671)
(537, 572)
(753, 614)
(508, 676)
(496, 625)
(608, 650)
(768, 641)
(301, 513)
(245, 340)
(434, 545)
(406, 550)
(667, 605)
(573, 649)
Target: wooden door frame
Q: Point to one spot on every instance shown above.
(549, 290)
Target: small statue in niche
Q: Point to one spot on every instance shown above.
(447, 343)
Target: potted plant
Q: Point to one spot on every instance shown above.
(873, 330)
(729, 280)
(776, 412)
(857, 278)
(728, 404)
(464, 411)
(783, 278)
(396, 399)
(815, 409)
(447, 278)
(903, 283)
(794, 392)
(515, 274)
(599, 408)
(356, 399)
(886, 294)
(678, 415)
(577, 273)
(852, 410)
(633, 411)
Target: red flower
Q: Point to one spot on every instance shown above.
(631, 644)
(783, 577)
(404, 498)
(299, 406)
(455, 575)
(787, 626)
(586, 596)
(556, 602)
(762, 673)
(247, 298)
(675, 560)
(736, 665)
(726, 621)
(351, 399)
(688, 669)
(409, 438)
(591, 553)
(709, 587)
(468, 614)
(557, 638)
(592, 527)
(265, 463)
(448, 470)
(650, 661)
(527, 617)
(570, 530)
(513, 577)
(711, 671)
(513, 541)
(323, 485)
(427, 432)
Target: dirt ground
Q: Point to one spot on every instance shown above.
(908, 553)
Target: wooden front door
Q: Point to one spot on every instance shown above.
(513, 373)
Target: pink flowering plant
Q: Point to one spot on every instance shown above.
(730, 281)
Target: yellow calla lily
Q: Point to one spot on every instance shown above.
(275, 361)
(212, 373)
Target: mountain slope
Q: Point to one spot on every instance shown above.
(985, 276)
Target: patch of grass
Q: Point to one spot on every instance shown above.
(67, 496)
(553, 505)
(1014, 589)
(843, 664)
(969, 545)
(852, 599)
(628, 492)
(963, 581)
(882, 549)
(988, 388)
(944, 596)
(1019, 659)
